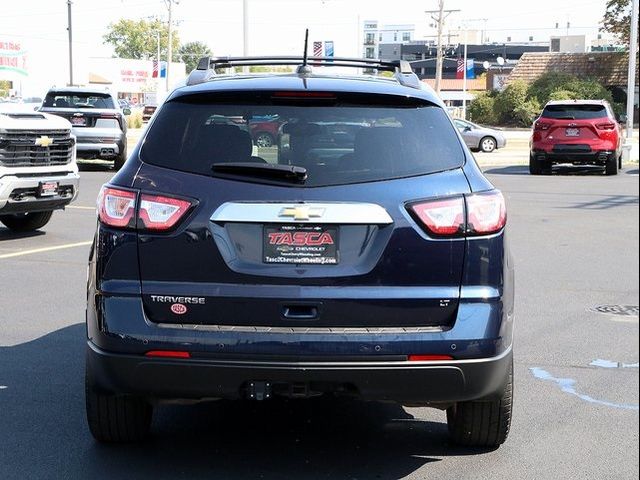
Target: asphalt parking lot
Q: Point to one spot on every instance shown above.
(575, 241)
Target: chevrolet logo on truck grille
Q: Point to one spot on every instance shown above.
(44, 141)
(301, 213)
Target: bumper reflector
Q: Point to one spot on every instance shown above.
(428, 358)
(167, 354)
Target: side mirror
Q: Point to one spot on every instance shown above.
(126, 111)
(621, 117)
(467, 128)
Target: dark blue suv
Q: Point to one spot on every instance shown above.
(362, 254)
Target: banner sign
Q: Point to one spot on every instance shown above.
(328, 49)
(471, 73)
(13, 58)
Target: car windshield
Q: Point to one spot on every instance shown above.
(574, 112)
(78, 100)
(335, 144)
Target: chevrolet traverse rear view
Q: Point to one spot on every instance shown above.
(360, 253)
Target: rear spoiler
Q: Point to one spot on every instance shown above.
(207, 66)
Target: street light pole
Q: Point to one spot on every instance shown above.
(169, 47)
(70, 42)
(464, 76)
(631, 76)
(245, 31)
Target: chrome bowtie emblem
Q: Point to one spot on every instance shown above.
(301, 213)
(44, 141)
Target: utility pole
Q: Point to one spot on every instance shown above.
(631, 78)
(442, 14)
(70, 43)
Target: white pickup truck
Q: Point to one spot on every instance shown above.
(38, 171)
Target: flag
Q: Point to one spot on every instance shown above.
(460, 69)
(317, 49)
(471, 73)
(163, 69)
(154, 73)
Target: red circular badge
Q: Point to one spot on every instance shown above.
(179, 309)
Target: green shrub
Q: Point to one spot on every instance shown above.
(525, 114)
(135, 119)
(545, 88)
(561, 95)
(481, 109)
(509, 100)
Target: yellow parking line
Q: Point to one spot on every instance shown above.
(43, 250)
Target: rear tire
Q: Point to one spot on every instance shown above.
(611, 168)
(482, 424)
(116, 419)
(118, 162)
(538, 167)
(26, 222)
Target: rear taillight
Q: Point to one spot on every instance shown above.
(606, 126)
(476, 214)
(442, 217)
(122, 209)
(161, 213)
(116, 208)
(540, 125)
(486, 213)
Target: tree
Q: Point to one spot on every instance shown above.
(138, 38)
(617, 19)
(191, 52)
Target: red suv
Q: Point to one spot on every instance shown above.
(581, 132)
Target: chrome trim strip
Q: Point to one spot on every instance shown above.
(302, 330)
(340, 213)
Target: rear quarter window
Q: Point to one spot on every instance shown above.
(338, 143)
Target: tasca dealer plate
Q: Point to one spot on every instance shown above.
(301, 244)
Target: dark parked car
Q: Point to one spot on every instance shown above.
(97, 121)
(579, 132)
(365, 255)
(148, 111)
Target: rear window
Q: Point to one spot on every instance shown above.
(339, 143)
(78, 100)
(574, 112)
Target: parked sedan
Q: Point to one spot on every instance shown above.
(478, 138)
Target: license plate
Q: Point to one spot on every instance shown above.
(48, 189)
(300, 244)
(78, 121)
(573, 132)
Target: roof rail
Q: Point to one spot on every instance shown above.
(206, 69)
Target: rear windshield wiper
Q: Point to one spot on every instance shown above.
(267, 170)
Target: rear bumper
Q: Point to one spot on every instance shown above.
(99, 150)
(439, 382)
(597, 157)
(17, 193)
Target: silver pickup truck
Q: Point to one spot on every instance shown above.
(38, 171)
